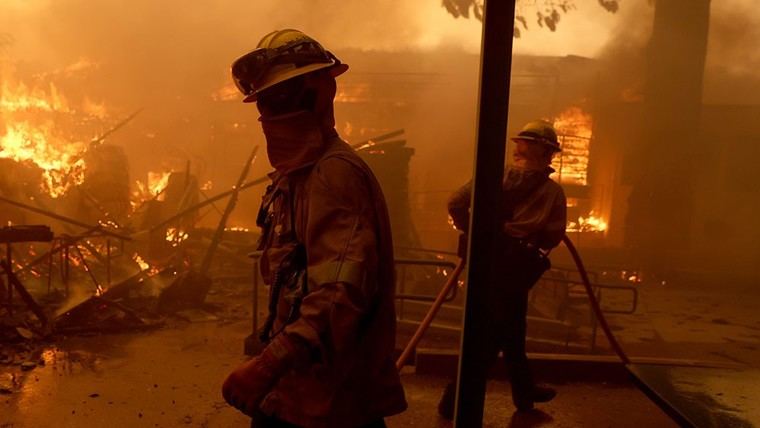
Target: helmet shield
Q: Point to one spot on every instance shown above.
(248, 69)
(266, 66)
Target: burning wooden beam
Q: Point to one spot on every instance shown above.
(206, 263)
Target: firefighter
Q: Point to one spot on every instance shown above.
(534, 218)
(327, 255)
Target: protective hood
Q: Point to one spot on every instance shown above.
(296, 139)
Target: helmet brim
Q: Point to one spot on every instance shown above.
(335, 71)
(529, 139)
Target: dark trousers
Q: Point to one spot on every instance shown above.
(261, 420)
(507, 322)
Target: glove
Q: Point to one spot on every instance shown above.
(248, 384)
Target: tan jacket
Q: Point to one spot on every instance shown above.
(348, 316)
(539, 217)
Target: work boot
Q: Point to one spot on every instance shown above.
(538, 394)
(446, 405)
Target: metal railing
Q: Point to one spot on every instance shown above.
(401, 268)
(562, 279)
(563, 282)
(402, 296)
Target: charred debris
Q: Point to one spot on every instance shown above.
(103, 261)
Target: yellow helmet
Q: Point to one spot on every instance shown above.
(539, 131)
(279, 56)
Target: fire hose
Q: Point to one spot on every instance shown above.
(454, 278)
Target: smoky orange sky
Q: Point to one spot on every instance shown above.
(170, 56)
(50, 30)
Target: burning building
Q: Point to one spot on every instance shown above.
(152, 193)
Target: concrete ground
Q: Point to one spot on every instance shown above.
(171, 377)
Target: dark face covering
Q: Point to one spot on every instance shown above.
(298, 120)
(293, 140)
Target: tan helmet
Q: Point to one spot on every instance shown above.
(279, 56)
(539, 131)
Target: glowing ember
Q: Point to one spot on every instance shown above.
(140, 262)
(108, 223)
(175, 236)
(574, 130)
(630, 276)
(236, 229)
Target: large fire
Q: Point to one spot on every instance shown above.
(58, 158)
(574, 130)
(19, 97)
(31, 130)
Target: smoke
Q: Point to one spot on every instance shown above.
(733, 57)
(172, 58)
(734, 36)
(622, 59)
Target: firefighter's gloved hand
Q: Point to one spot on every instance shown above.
(248, 384)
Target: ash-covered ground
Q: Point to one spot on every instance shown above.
(171, 375)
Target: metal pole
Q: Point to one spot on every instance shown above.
(65, 267)
(50, 266)
(255, 302)
(495, 69)
(108, 262)
(8, 258)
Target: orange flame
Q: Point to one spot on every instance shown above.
(58, 159)
(176, 236)
(574, 128)
(32, 135)
(157, 181)
(140, 262)
(150, 189)
(15, 98)
(590, 223)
